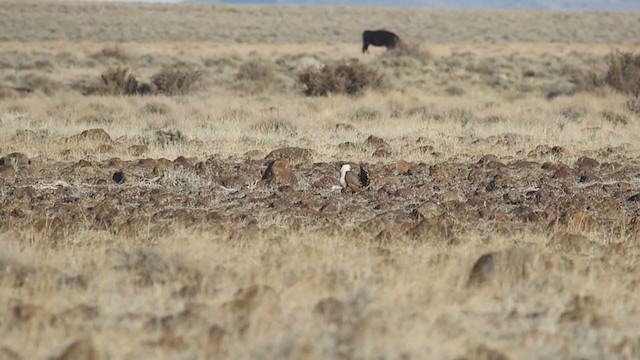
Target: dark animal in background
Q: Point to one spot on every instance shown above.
(379, 38)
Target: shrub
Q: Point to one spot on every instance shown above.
(256, 75)
(115, 52)
(454, 90)
(614, 118)
(255, 70)
(409, 49)
(633, 105)
(176, 80)
(163, 138)
(276, 126)
(351, 78)
(156, 108)
(321, 82)
(114, 81)
(623, 74)
(34, 82)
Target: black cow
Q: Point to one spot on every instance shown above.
(379, 38)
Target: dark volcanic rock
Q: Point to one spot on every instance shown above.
(119, 177)
(17, 159)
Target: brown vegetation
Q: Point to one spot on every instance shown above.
(351, 78)
(204, 220)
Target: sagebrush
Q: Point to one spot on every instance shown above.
(624, 73)
(351, 78)
(176, 80)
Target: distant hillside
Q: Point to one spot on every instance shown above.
(605, 5)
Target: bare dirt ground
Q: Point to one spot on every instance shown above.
(502, 219)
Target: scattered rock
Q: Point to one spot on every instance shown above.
(381, 152)
(441, 171)
(332, 310)
(79, 350)
(563, 172)
(570, 243)
(216, 335)
(137, 150)
(434, 230)
(182, 162)
(243, 308)
(279, 173)
(581, 309)
(16, 159)
(400, 166)
(325, 182)
(585, 162)
(508, 266)
(161, 166)
(580, 221)
(376, 142)
(105, 149)
(347, 146)
(344, 127)
(253, 154)
(119, 177)
(450, 195)
(8, 354)
(294, 155)
(328, 208)
(98, 135)
(427, 210)
(483, 352)
(634, 198)
(7, 172)
(24, 312)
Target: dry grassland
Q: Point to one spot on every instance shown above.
(491, 138)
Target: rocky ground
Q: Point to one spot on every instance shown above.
(424, 202)
(206, 221)
(463, 250)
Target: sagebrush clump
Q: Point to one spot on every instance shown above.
(351, 78)
(623, 74)
(409, 49)
(176, 80)
(257, 75)
(116, 81)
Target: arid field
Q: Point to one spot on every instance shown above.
(168, 183)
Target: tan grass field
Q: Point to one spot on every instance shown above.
(496, 142)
